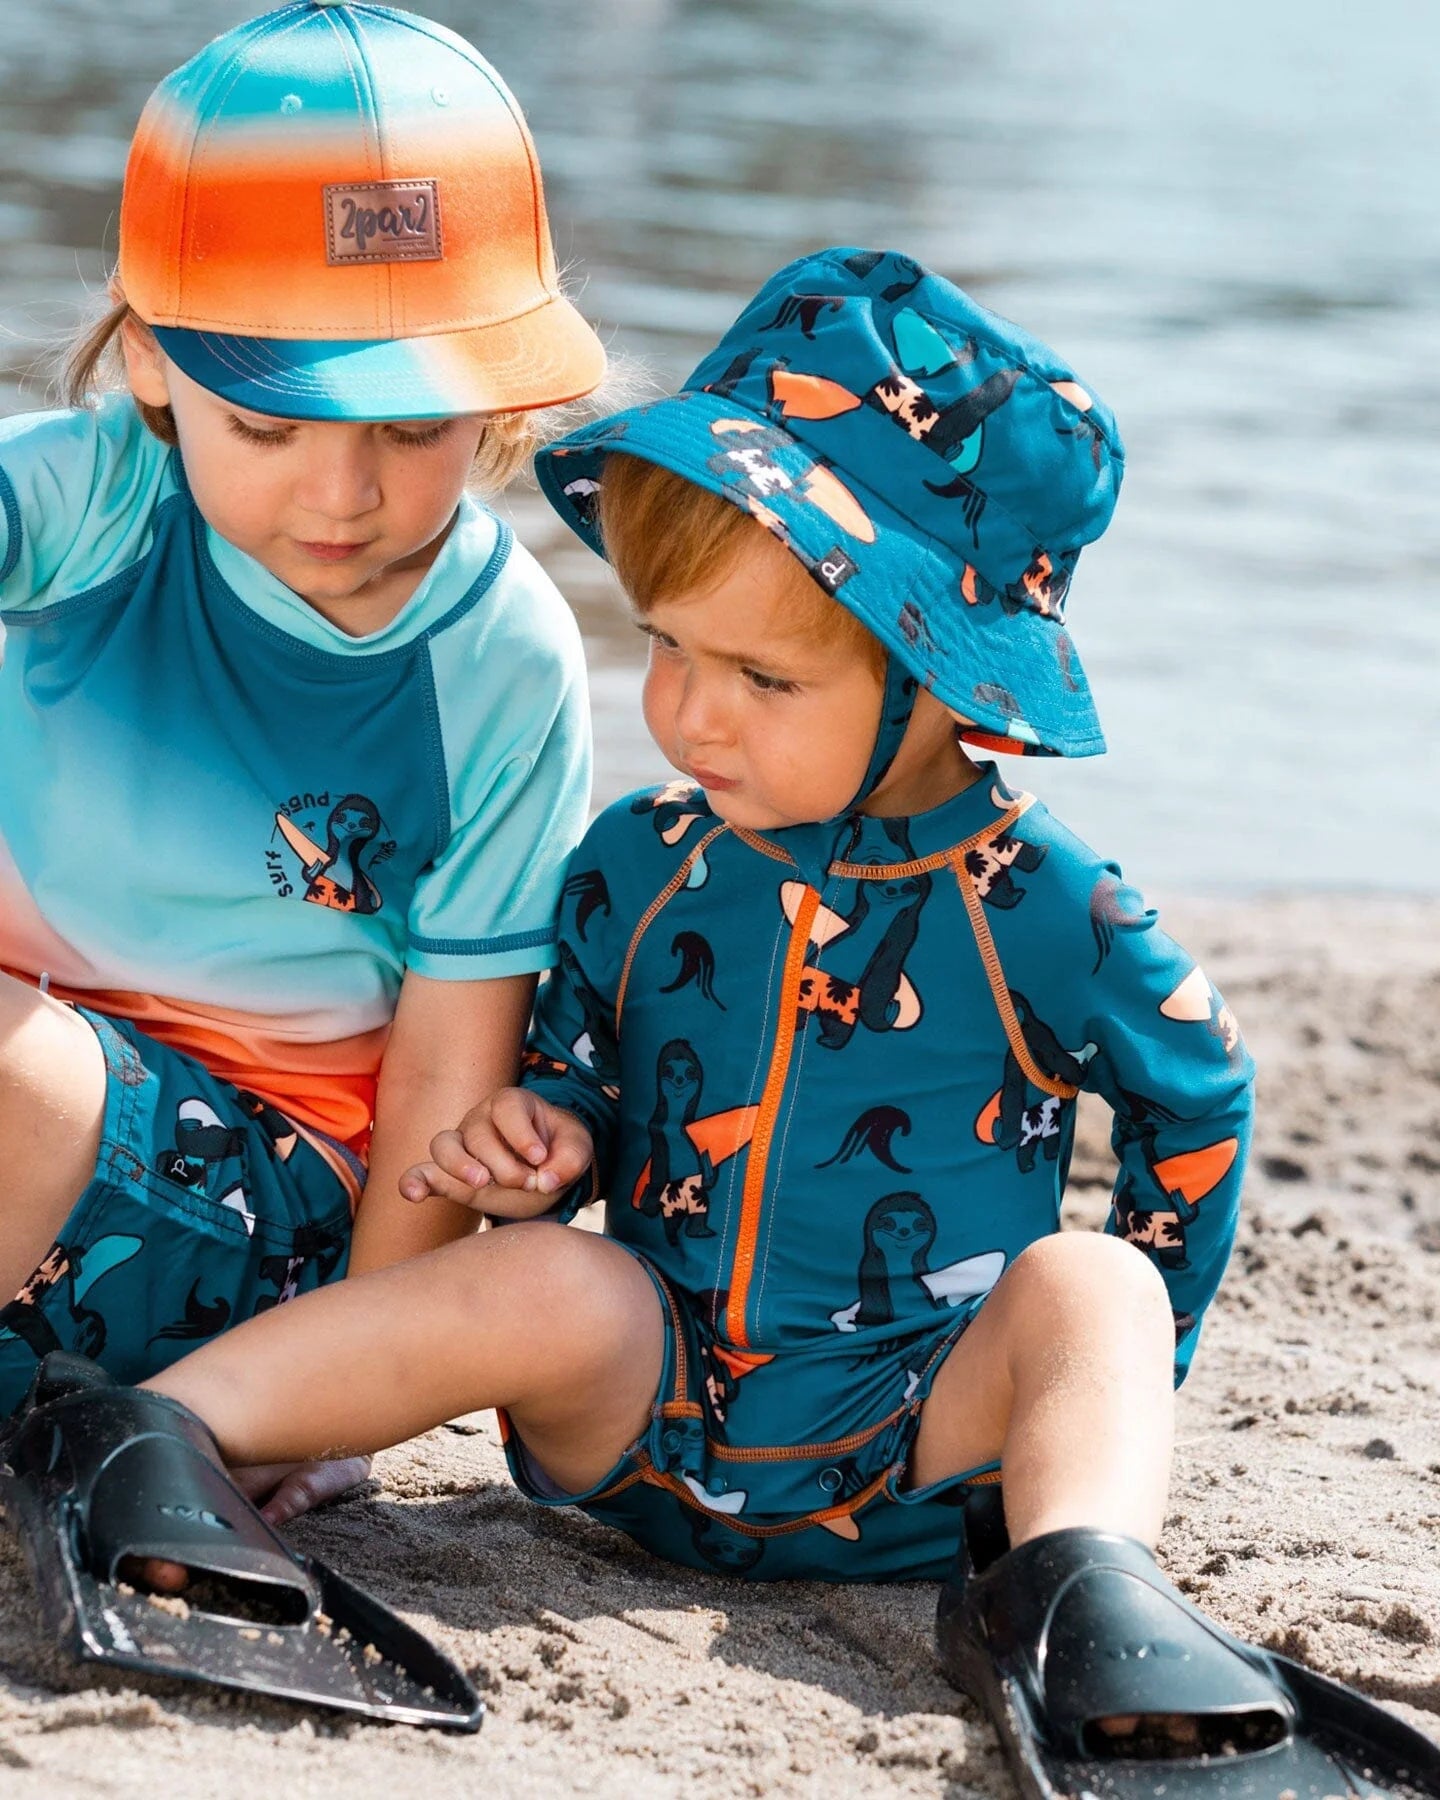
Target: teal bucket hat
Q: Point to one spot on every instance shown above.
(936, 469)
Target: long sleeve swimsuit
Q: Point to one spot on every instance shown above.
(831, 1074)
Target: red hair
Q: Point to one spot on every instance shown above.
(665, 535)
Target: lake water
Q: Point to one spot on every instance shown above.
(1225, 218)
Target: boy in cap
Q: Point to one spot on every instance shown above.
(294, 736)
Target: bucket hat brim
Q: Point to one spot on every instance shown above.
(1011, 675)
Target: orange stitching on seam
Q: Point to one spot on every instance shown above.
(676, 1325)
(661, 900)
(657, 1478)
(752, 1194)
(619, 1487)
(756, 842)
(975, 907)
(923, 865)
(895, 871)
(890, 871)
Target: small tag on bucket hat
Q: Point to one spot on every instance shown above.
(383, 221)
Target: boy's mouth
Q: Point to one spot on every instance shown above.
(717, 782)
(328, 552)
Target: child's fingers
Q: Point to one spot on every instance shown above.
(465, 1157)
(514, 1141)
(449, 1154)
(483, 1141)
(572, 1150)
(414, 1184)
(476, 1154)
(523, 1124)
(555, 1145)
(428, 1181)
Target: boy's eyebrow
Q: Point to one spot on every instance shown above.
(770, 658)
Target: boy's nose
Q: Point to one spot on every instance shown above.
(340, 481)
(699, 713)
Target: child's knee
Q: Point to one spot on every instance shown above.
(52, 1105)
(578, 1283)
(48, 1051)
(1092, 1275)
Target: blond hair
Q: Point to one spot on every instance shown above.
(664, 536)
(94, 364)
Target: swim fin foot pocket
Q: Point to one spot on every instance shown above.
(96, 1478)
(1078, 1627)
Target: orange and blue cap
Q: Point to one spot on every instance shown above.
(334, 211)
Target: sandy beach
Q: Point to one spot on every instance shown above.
(1305, 1510)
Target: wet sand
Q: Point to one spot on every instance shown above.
(1305, 1509)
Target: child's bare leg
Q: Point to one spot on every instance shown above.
(52, 1104)
(560, 1327)
(1066, 1376)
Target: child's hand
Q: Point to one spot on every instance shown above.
(513, 1141)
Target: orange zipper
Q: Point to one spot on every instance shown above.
(753, 1196)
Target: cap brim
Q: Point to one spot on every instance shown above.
(543, 358)
(1012, 676)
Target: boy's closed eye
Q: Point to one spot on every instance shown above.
(414, 435)
(769, 684)
(258, 434)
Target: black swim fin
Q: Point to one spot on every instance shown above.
(92, 1474)
(1078, 1626)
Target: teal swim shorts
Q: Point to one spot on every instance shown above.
(206, 1207)
(829, 1509)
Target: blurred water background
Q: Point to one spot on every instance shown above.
(1225, 217)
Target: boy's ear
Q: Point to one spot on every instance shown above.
(144, 363)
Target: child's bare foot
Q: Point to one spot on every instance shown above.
(1153, 1737)
(153, 1575)
(282, 1491)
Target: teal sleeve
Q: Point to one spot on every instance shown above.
(1107, 1002)
(514, 757)
(573, 1059)
(1165, 1053)
(78, 492)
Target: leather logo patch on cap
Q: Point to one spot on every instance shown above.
(383, 221)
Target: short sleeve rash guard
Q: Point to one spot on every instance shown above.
(224, 817)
